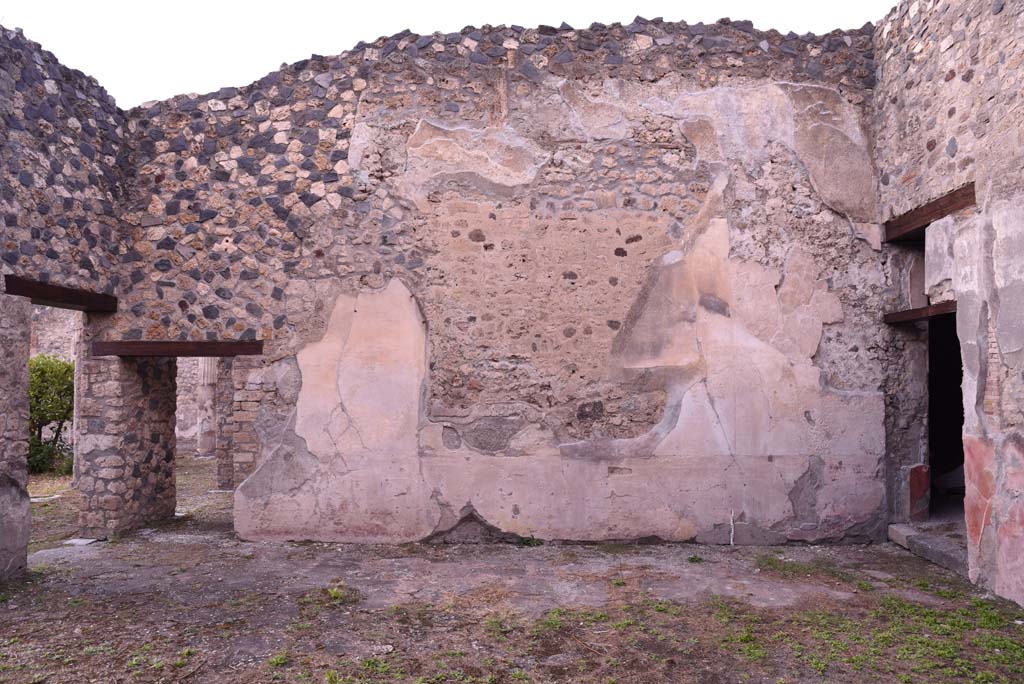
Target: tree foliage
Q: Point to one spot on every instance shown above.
(51, 403)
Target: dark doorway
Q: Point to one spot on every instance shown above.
(945, 419)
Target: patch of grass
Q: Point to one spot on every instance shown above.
(695, 559)
(1002, 650)
(666, 607)
(903, 640)
(618, 582)
(497, 626)
(789, 568)
(279, 659)
(377, 666)
(97, 649)
(529, 541)
(988, 616)
(342, 595)
(591, 617)
(723, 610)
(748, 644)
(183, 657)
(552, 621)
(332, 596)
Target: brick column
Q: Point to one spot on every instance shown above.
(15, 331)
(248, 391)
(125, 458)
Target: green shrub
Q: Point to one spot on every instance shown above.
(51, 402)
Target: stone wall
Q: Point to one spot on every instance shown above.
(948, 111)
(511, 271)
(948, 102)
(125, 448)
(15, 315)
(62, 170)
(56, 331)
(607, 283)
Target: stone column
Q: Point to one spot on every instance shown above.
(224, 394)
(15, 331)
(205, 407)
(125, 459)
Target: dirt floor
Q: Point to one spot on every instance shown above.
(189, 602)
(54, 510)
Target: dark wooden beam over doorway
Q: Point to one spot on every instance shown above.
(920, 314)
(48, 294)
(911, 226)
(177, 348)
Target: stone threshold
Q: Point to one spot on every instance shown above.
(939, 544)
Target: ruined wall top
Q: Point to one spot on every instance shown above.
(645, 49)
(240, 192)
(949, 75)
(76, 193)
(62, 170)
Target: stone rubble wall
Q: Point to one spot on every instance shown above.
(56, 332)
(948, 111)
(124, 463)
(63, 171)
(235, 190)
(531, 192)
(15, 313)
(607, 283)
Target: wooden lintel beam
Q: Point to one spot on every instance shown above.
(177, 348)
(920, 314)
(911, 225)
(48, 294)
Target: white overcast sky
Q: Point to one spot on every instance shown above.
(143, 51)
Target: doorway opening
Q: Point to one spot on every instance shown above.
(205, 478)
(55, 335)
(945, 420)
